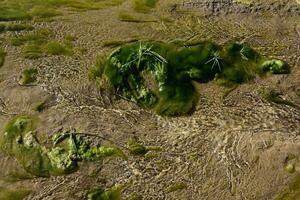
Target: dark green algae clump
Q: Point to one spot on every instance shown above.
(68, 148)
(113, 193)
(174, 70)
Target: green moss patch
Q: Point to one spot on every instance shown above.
(275, 66)
(12, 10)
(2, 57)
(39, 107)
(135, 18)
(68, 148)
(135, 197)
(40, 43)
(109, 194)
(136, 148)
(116, 43)
(174, 70)
(28, 76)
(176, 187)
(15, 27)
(56, 48)
(13, 194)
(273, 96)
(144, 5)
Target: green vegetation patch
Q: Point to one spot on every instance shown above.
(176, 187)
(13, 194)
(116, 43)
(68, 148)
(136, 148)
(2, 57)
(28, 76)
(56, 48)
(144, 5)
(12, 10)
(275, 67)
(135, 197)
(15, 27)
(273, 96)
(136, 18)
(109, 194)
(39, 43)
(161, 76)
(39, 107)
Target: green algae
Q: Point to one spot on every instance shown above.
(113, 193)
(273, 96)
(16, 10)
(176, 187)
(39, 107)
(176, 68)
(116, 43)
(56, 48)
(135, 18)
(40, 43)
(15, 27)
(135, 197)
(275, 66)
(28, 76)
(136, 148)
(13, 194)
(144, 6)
(20, 140)
(39, 36)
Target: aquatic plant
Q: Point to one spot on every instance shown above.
(175, 68)
(216, 59)
(69, 148)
